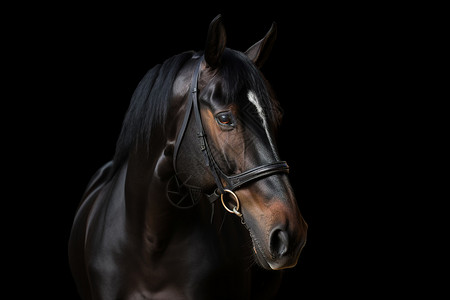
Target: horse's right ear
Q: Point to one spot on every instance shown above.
(215, 42)
(260, 51)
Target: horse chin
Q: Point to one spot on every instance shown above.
(258, 253)
(261, 261)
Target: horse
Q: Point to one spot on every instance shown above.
(196, 203)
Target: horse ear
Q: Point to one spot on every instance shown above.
(215, 42)
(260, 51)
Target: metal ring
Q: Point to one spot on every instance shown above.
(235, 210)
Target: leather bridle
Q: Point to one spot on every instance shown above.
(225, 183)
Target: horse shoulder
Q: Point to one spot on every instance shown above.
(92, 227)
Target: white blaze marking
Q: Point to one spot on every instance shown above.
(254, 100)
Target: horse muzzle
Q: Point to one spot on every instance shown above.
(282, 249)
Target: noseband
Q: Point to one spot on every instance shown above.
(226, 184)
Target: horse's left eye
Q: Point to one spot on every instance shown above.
(225, 119)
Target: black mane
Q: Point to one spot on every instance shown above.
(148, 106)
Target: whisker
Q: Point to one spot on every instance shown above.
(249, 258)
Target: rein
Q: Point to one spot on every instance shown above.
(225, 184)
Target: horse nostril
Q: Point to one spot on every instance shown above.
(279, 243)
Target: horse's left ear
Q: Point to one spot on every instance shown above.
(215, 42)
(260, 51)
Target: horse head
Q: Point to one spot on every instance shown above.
(233, 151)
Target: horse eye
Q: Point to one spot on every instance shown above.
(225, 119)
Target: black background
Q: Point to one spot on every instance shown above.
(335, 70)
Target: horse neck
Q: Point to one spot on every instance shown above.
(148, 209)
(144, 189)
